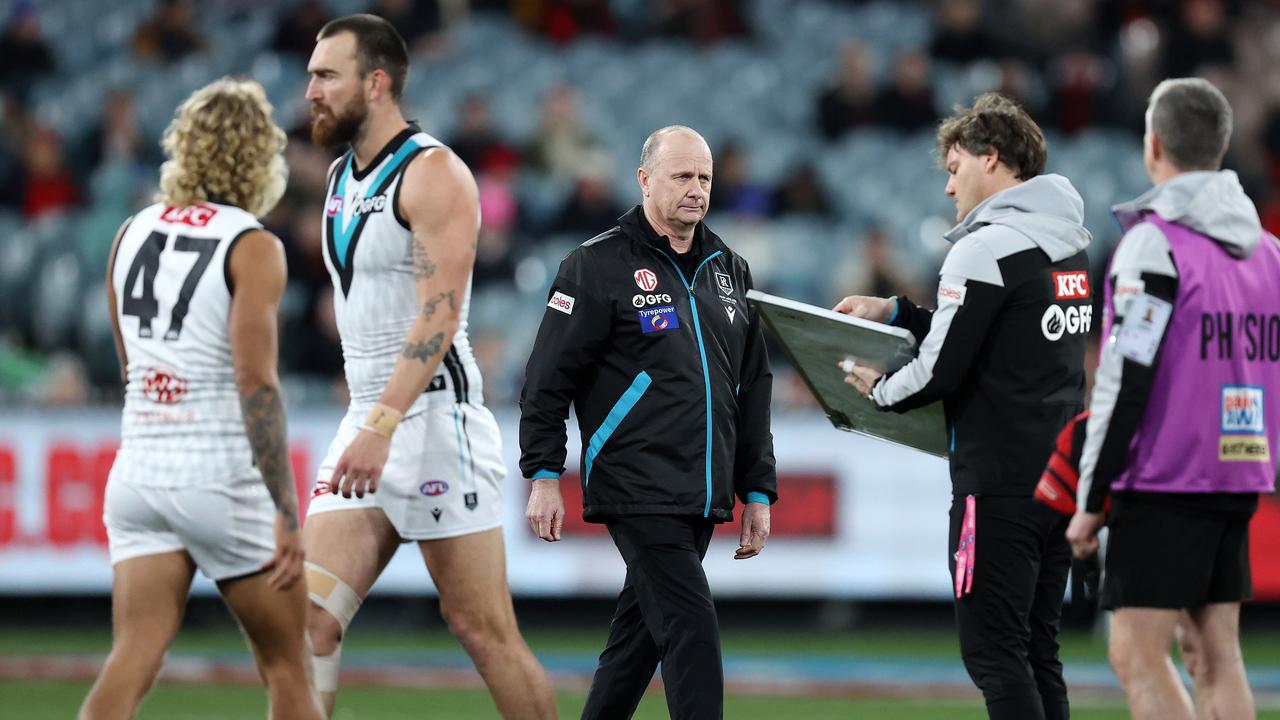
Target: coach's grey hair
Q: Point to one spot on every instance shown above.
(1192, 118)
(649, 153)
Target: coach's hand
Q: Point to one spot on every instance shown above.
(546, 509)
(360, 467)
(755, 531)
(868, 308)
(861, 377)
(285, 565)
(1082, 533)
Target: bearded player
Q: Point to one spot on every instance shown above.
(417, 457)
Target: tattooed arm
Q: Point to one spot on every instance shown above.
(257, 282)
(439, 199)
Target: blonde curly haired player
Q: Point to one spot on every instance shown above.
(223, 144)
(202, 478)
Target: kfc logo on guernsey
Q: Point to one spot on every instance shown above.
(646, 280)
(193, 215)
(1071, 285)
(334, 206)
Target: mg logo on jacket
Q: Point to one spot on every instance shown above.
(646, 280)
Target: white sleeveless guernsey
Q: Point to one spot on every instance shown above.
(172, 288)
(368, 251)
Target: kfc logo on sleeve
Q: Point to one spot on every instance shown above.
(1071, 285)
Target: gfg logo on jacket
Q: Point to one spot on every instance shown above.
(1075, 319)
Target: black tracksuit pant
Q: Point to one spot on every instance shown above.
(664, 613)
(1009, 623)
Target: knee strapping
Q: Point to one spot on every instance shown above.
(325, 668)
(330, 593)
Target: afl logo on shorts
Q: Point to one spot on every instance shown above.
(163, 385)
(432, 488)
(647, 281)
(334, 207)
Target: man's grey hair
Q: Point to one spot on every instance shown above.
(1192, 118)
(649, 153)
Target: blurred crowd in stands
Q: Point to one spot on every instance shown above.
(1077, 65)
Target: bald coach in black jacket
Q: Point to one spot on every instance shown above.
(648, 334)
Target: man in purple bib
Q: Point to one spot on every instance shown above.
(1185, 422)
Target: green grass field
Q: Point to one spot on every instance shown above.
(177, 702)
(172, 700)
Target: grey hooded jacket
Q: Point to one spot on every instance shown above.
(1004, 350)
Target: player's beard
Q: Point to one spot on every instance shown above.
(334, 129)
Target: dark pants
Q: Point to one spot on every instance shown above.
(1009, 623)
(664, 614)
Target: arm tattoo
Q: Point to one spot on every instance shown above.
(423, 266)
(264, 423)
(429, 307)
(424, 351)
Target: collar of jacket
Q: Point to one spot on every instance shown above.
(637, 226)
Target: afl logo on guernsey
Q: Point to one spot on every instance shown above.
(646, 279)
(334, 207)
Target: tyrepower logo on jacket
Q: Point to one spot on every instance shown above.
(646, 280)
(563, 303)
(1071, 285)
(658, 319)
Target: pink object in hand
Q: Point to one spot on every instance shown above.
(967, 547)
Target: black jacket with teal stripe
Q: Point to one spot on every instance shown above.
(665, 365)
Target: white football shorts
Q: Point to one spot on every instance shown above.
(443, 477)
(227, 527)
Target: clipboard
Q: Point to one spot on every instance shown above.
(816, 339)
